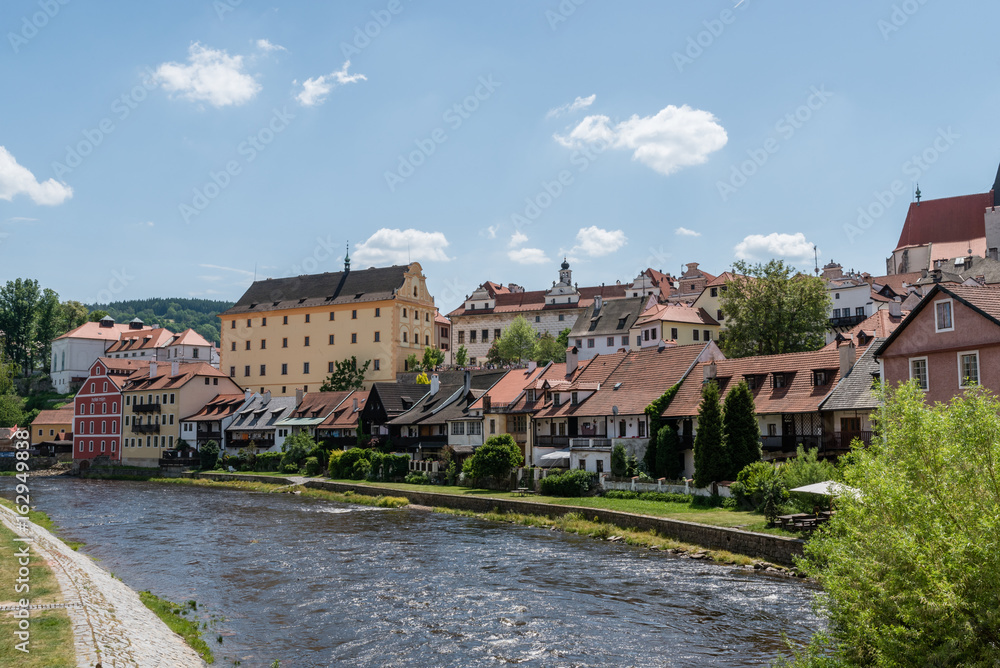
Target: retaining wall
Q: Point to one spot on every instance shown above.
(271, 480)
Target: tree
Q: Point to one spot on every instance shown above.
(47, 325)
(412, 363)
(493, 356)
(19, 300)
(619, 462)
(97, 316)
(495, 458)
(770, 309)
(422, 379)
(909, 562)
(517, 341)
(563, 341)
(209, 455)
(461, 356)
(433, 358)
(740, 429)
(296, 448)
(669, 456)
(547, 349)
(347, 375)
(72, 314)
(711, 461)
(804, 469)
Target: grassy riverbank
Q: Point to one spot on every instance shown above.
(270, 488)
(174, 616)
(51, 641)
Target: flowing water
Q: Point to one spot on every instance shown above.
(316, 583)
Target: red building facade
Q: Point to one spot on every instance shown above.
(97, 410)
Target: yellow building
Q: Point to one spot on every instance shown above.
(154, 402)
(52, 425)
(684, 325)
(286, 333)
(710, 298)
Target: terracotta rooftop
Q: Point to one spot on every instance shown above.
(510, 387)
(163, 380)
(878, 325)
(221, 406)
(346, 416)
(93, 330)
(514, 302)
(949, 219)
(145, 339)
(675, 313)
(62, 415)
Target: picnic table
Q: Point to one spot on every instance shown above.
(523, 491)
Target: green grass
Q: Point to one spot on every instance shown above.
(44, 521)
(271, 488)
(51, 641)
(174, 616)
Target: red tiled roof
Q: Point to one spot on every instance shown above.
(141, 380)
(345, 417)
(221, 406)
(93, 330)
(145, 339)
(189, 337)
(675, 313)
(986, 299)
(798, 396)
(322, 403)
(516, 302)
(508, 388)
(895, 281)
(62, 415)
(949, 219)
(595, 372)
(440, 319)
(878, 325)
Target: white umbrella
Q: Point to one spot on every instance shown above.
(558, 454)
(827, 488)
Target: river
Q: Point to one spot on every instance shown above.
(312, 582)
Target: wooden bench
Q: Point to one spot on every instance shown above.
(523, 491)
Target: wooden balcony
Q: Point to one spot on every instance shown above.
(552, 441)
(145, 429)
(146, 408)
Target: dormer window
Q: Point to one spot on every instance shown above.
(530, 395)
(555, 398)
(780, 380)
(574, 398)
(820, 377)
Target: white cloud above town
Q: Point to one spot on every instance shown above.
(210, 75)
(315, 90)
(268, 46)
(517, 239)
(394, 246)
(15, 179)
(673, 138)
(528, 256)
(596, 242)
(685, 232)
(775, 245)
(576, 105)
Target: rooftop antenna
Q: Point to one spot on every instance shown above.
(816, 258)
(917, 194)
(347, 257)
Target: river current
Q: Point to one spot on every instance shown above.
(312, 583)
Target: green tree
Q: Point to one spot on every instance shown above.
(422, 379)
(209, 454)
(461, 356)
(493, 356)
(669, 456)
(495, 458)
(517, 341)
(97, 316)
(47, 325)
(909, 565)
(347, 375)
(72, 314)
(412, 363)
(770, 309)
(804, 469)
(19, 302)
(619, 462)
(711, 461)
(649, 458)
(296, 448)
(547, 349)
(433, 358)
(563, 341)
(740, 429)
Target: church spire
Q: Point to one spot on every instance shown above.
(347, 257)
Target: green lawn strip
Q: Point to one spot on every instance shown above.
(51, 641)
(44, 521)
(174, 616)
(265, 487)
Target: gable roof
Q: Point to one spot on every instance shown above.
(143, 339)
(676, 313)
(262, 413)
(586, 378)
(945, 220)
(219, 407)
(615, 317)
(895, 281)
(93, 330)
(189, 337)
(879, 325)
(140, 381)
(424, 410)
(535, 300)
(345, 416)
(340, 287)
(510, 387)
(397, 398)
(62, 415)
(983, 300)
(855, 390)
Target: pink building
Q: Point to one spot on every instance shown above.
(949, 342)
(97, 410)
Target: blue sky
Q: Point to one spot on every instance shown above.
(162, 149)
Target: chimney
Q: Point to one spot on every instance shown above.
(175, 368)
(532, 365)
(435, 384)
(895, 309)
(487, 403)
(847, 355)
(572, 359)
(936, 275)
(710, 371)
(598, 303)
(247, 394)
(267, 398)
(467, 382)
(152, 369)
(354, 405)
(298, 395)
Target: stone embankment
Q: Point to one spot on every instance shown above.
(111, 626)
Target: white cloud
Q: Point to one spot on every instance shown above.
(393, 246)
(517, 239)
(21, 219)
(576, 105)
(265, 45)
(18, 180)
(594, 242)
(676, 137)
(242, 272)
(528, 256)
(491, 231)
(314, 91)
(211, 76)
(685, 232)
(760, 247)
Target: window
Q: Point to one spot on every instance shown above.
(378, 337)
(574, 398)
(625, 340)
(458, 429)
(496, 333)
(493, 426)
(555, 398)
(645, 335)
(475, 429)
(331, 340)
(708, 334)
(128, 399)
(718, 315)
(860, 310)
(233, 346)
(404, 312)
(673, 333)
(172, 396)
(232, 372)
(331, 315)
(642, 429)
(486, 335)
(780, 380)
(461, 337)
(836, 313)
(714, 292)
(622, 429)
(329, 367)
(538, 318)
(307, 317)
(249, 323)
(263, 322)
(590, 343)
(354, 315)
(918, 372)
(263, 369)
(820, 378)
(284, 369)
(246, 370)
(836, 295)
(305, 367)
(306, 342)
(968, 369)
(943, 316)
(284, 320)
(375, 365)
(611, 341)
(247, 347)
(263, 344)
(694, 334)
(378, 312)
(472, 336)
(171, 418)
(232, 324)
(114, 405)
(354, 337)
(284, 342)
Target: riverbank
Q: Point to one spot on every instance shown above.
(110, 624)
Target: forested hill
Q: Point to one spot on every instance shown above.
(174, 314)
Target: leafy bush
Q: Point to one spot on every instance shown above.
(417, 478)
(311, 466)
(361, 470)
(289, 468)
(333, 464)
(494, 459)
(267, 461)
(296, 448)
(619, 462)
(760, 487)
(572, 483)
(729, 503)
(805, 469)
(209, 455)
(714, 501)
(663, 497)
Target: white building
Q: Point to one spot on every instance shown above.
(75, 351)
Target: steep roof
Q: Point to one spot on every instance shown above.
(262, 413)
(62, 415)
(340, 287)
(510, 387)
(879, 324)
(643, 376)
(895, 281)
(189, 337)
(799, 395)
(221, 406)
(345, 416)
(590, 377)
(983, 300)
(140, 381)
(423, 411)
(320, 403)
(855, 390)
(397, 398)
(143, 339)
(676, 313)
(515, 302)
(949, 219)
(93, 330)
(615, 317)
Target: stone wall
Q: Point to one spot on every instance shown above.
(720, 490)
(778, 549)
